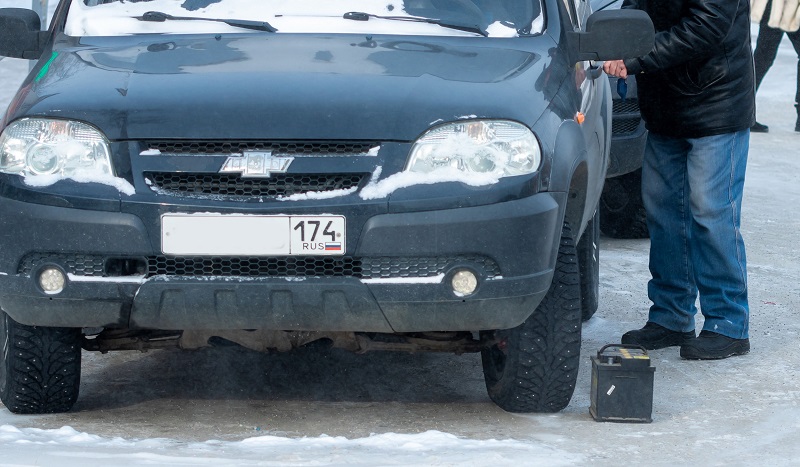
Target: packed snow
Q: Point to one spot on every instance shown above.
(387, 186)
(67, 447)
(318, 195)
(437, 279)
(84, 176)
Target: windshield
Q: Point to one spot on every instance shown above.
(495, 18)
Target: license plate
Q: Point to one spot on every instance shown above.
(252, 235)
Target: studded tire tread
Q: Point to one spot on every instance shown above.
(542, 355)
(40, 367)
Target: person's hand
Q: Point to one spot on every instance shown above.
(615, 68)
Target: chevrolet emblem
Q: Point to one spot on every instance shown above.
(252, 164)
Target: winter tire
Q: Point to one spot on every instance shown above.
(533, 367)
(39, 367)
(622, 213)
(589, 264)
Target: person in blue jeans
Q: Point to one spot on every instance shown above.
(697, 97)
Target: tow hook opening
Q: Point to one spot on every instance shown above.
(121, 267)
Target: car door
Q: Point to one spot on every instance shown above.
(591, 84)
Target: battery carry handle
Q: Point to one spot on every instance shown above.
(621, 346)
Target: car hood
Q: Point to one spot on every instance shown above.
(283, 86)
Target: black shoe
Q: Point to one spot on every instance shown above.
(654, 336)
(759, 128)
(713, 346)
(797, 125)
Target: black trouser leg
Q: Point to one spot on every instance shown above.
(766, 46)
(795, 38)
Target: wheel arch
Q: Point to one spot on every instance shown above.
(570, 174)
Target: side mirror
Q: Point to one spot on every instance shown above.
(615, 35)
(20, 34)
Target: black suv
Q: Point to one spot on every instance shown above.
(622, 213)
(417, 175)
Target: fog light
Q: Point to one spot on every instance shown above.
(464, 283)
(52, 280)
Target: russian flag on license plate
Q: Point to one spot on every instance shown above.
(333, 246)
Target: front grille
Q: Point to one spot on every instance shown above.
(292, 148)
(284, 266)
(627, 106)
(290, 266)
(389, 267)
(181, 184)
(623, 126)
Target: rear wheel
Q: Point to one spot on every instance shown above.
(533, 367)
(39, 367)
(622, 213)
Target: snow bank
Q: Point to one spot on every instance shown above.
(68, 447)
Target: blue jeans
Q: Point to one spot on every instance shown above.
(692, 192)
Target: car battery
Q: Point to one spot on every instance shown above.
(622, 384)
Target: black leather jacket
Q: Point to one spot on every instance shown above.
(698, 80)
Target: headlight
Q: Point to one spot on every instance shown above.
(498, 147)
(40, 146)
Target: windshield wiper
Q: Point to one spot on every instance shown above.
(160, 17)
(361, 16)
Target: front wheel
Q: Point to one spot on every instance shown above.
(534, 366)
(589, 267)
(40, 367)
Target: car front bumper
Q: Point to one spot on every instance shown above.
(511, 247)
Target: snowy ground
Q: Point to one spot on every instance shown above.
(226, 407)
